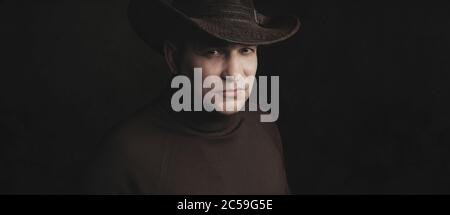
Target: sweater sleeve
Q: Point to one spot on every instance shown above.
(109, 171)
(272, 130)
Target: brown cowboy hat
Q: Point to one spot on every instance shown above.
(235, 21)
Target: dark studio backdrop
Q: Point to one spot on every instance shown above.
(364, 92)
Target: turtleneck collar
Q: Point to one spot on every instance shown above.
(201, 123)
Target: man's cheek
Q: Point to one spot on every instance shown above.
(250, 72)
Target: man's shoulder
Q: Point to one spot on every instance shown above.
(138, 130)
(130, 153)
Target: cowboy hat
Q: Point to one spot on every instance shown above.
(235, 21)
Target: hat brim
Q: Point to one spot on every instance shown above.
(145, 17)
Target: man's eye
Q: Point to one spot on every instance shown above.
(247, 51)
(212, 52)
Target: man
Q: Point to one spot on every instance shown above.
(224, 151)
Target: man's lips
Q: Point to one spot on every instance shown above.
(231, 92)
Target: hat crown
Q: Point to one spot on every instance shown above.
(240, 10)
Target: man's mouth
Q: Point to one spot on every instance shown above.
(230, 93)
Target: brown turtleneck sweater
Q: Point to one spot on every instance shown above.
(158, 151)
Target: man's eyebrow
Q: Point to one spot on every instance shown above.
(222, 45)
(212, 44)
(248, 45)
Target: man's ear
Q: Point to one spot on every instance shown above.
(170, 55)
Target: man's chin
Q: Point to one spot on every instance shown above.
(233, 108)
(228, 113)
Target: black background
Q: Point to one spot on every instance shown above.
(364, 92)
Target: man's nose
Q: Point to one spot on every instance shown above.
(233, 68)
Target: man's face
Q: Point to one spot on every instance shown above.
(237, 61)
